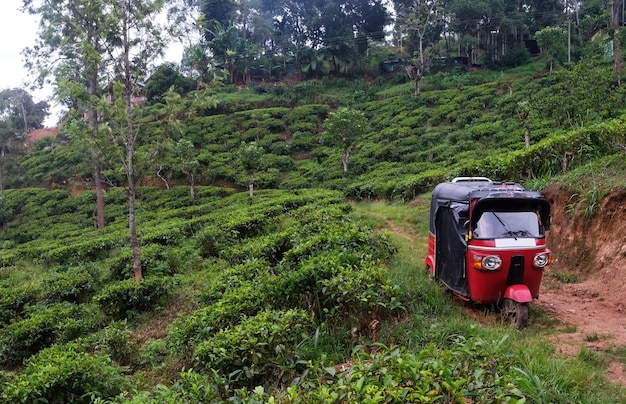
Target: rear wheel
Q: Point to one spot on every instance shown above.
(515, 313)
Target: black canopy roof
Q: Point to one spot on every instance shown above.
(489, 194)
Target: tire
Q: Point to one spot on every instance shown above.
(515, 313)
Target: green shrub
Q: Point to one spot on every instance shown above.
(75, 285)
(355, 292)
(87, 250)
(65, 374)
(190, 387)
(153, 352)
(60, 322)
(115, 341)
(259, 347)
(270, 248)
(14, 299)
(156, 261)
(189, 330)
(120, 299)
(231, 279)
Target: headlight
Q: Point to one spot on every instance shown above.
(492, 262)
(489, 263)
(542, 260)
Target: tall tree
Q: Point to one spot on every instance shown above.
(251, 158)
(180, 153)
(83, 43)
(141, 43)
(553, 42)
(23, 112)
(76, 38)
(345, 127)
(543, 13)
(617, 65)
(217, 13)
(18, 115)
(421, 19)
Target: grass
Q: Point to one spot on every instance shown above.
(563, 277)
(605, 174)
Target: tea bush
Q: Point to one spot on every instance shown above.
(115, 340)
(43, 326)
(189, 387)
(232, 278)
(120, 299)
(64, 374)
(258, 347)
(15, 299)
(270, 248)
(84, 251)
(75, 285)
(189, 330)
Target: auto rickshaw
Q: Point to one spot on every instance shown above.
(487, 243)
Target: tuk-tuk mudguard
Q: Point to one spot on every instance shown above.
(518, 293)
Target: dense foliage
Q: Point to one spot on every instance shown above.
(276, 267)
(276, 297)
(284, 294)
(461, 124)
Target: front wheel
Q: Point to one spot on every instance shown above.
(516, 313)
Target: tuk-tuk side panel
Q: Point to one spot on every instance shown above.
(450, 252)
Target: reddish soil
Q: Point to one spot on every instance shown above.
(591, 253)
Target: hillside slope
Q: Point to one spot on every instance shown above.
(590, 253)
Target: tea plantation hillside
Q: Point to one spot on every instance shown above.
(253, 278)
(461, 124)
(289, 296)
(311, 290)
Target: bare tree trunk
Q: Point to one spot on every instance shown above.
(1, 171)
(347, 150)
(527, 135)
(251, 185)
(192, 184)
(192, 188)
(616, 45)
(91, 68)
(567, 157)
(24, 115)
(99, 198)
(158, 173)
(524, 118)
(97, 177)
(415, 73)
(130, 148)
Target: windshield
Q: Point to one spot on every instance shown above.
(508, 225)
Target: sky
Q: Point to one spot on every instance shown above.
(18, 31)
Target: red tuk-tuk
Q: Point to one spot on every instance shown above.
(487, 243)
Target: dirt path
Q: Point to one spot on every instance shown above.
(591, 315)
